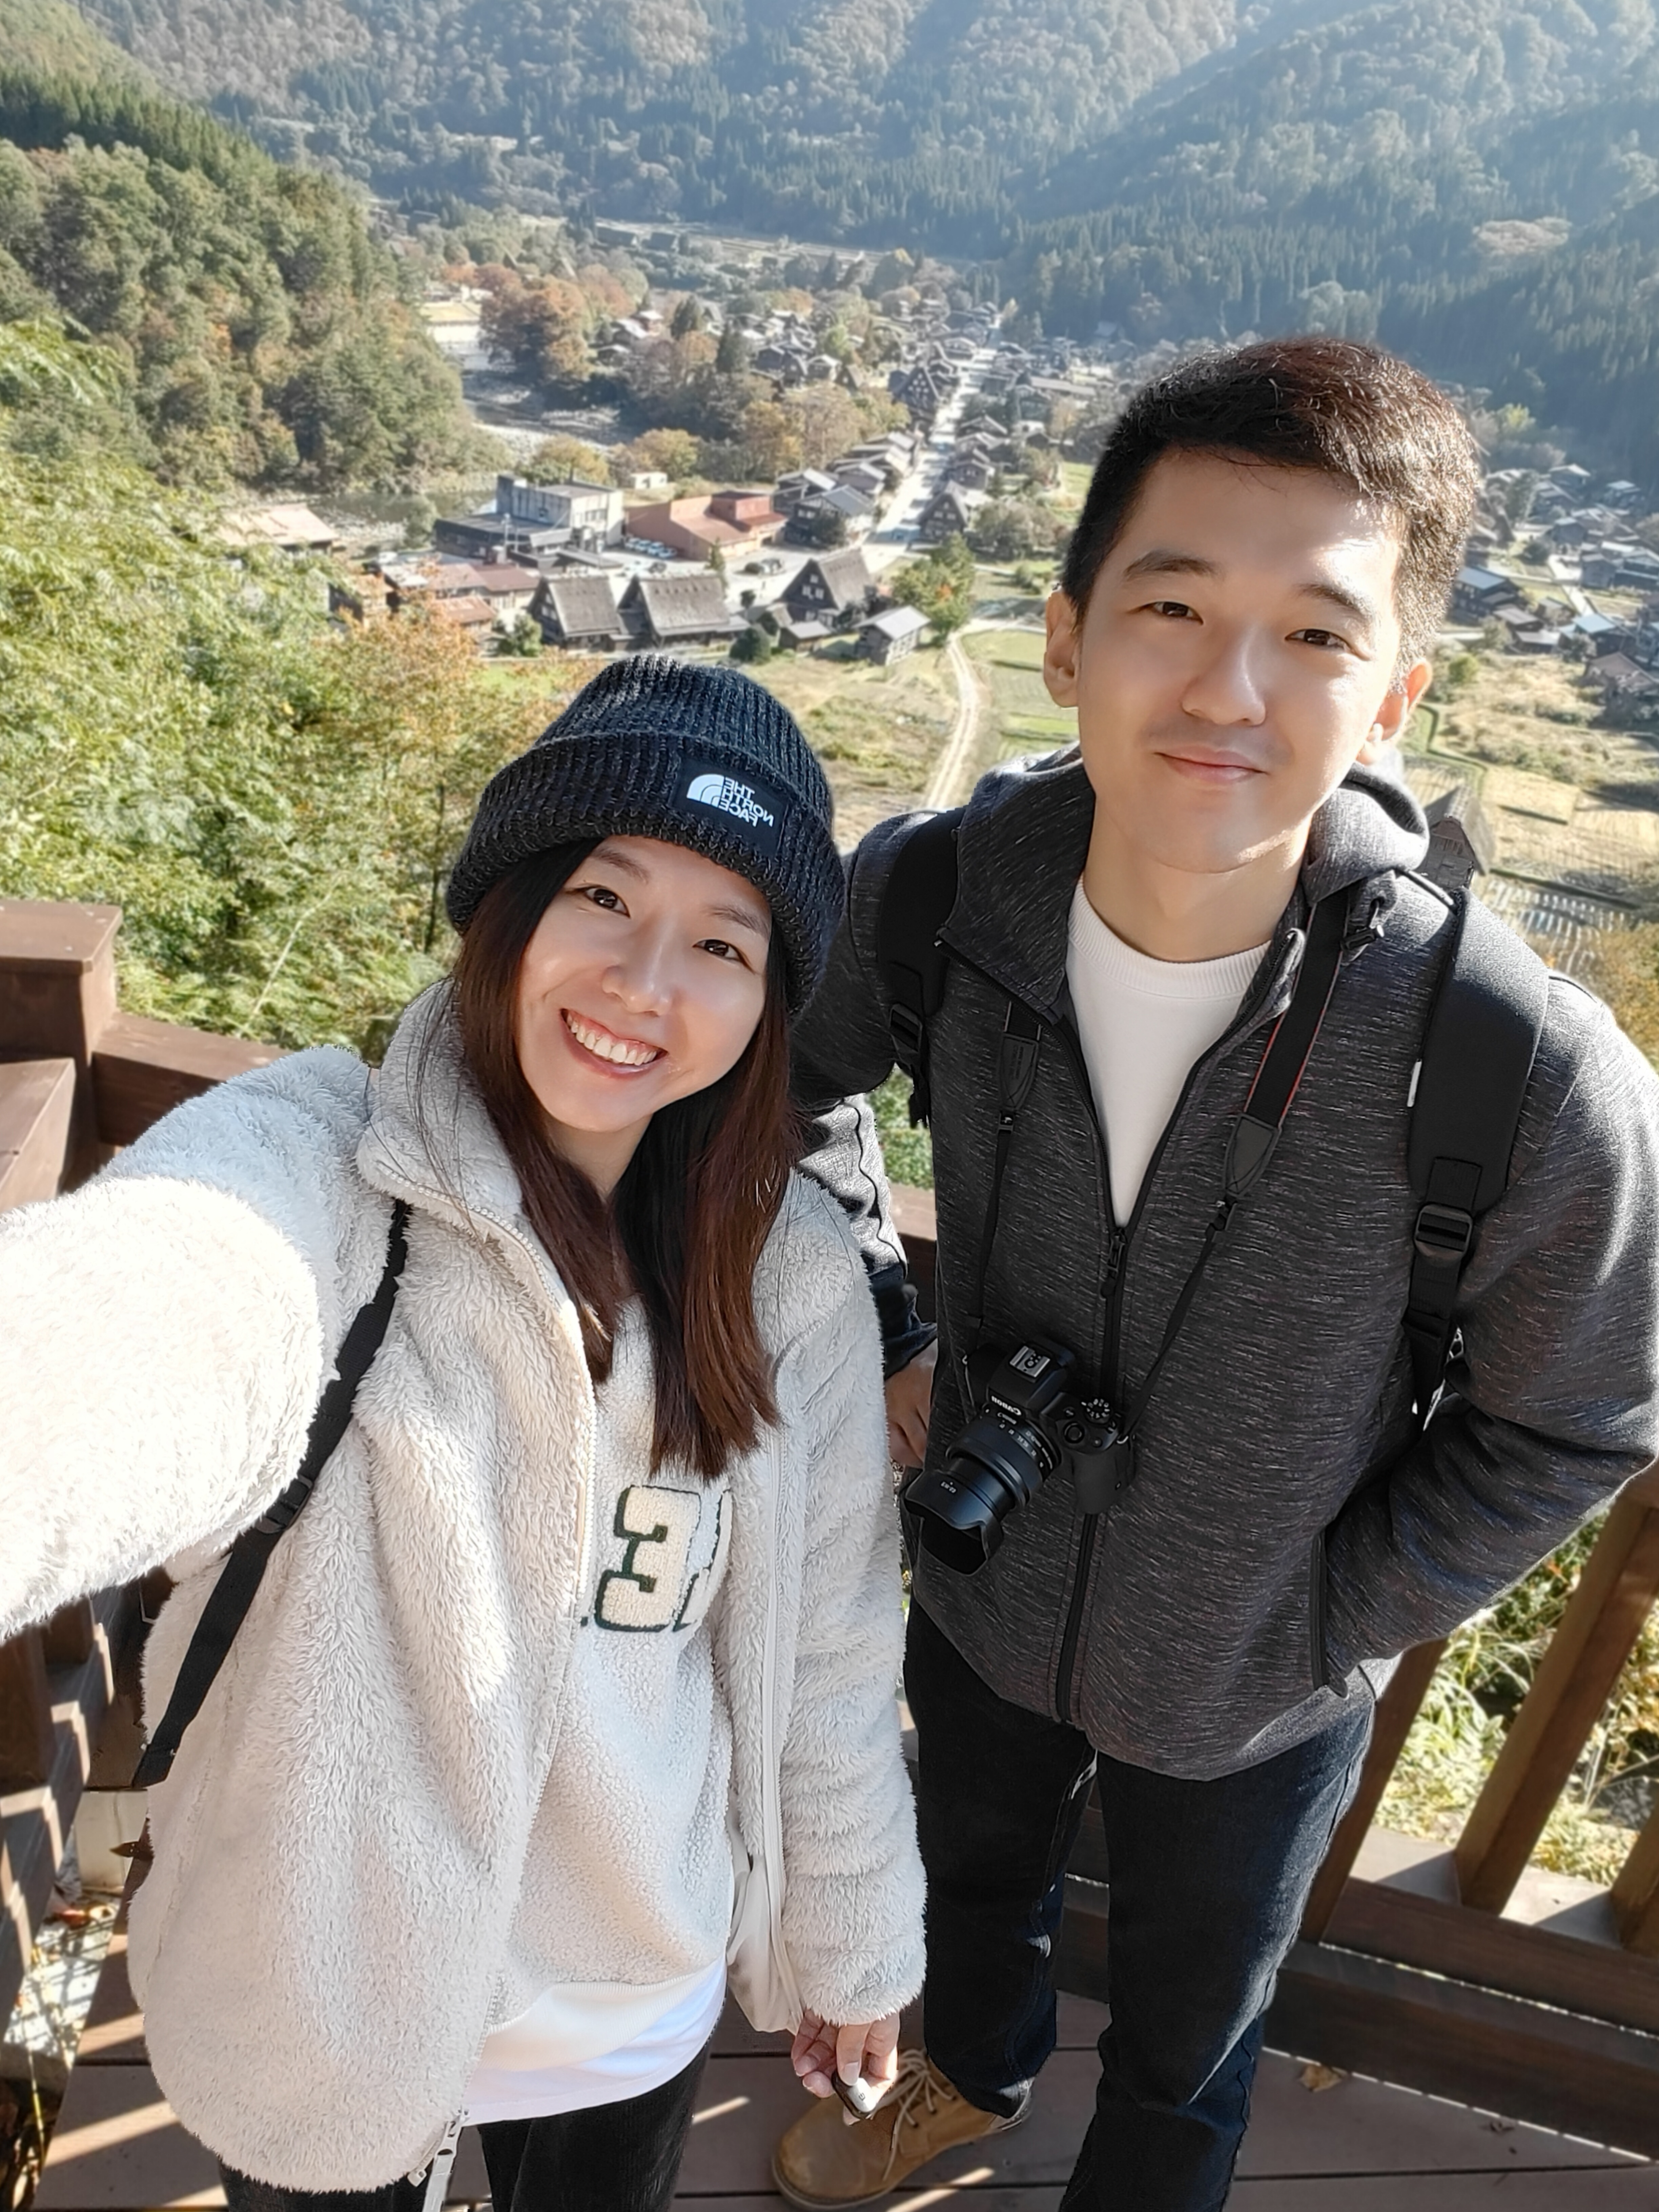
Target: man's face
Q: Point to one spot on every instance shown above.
(1237, 654)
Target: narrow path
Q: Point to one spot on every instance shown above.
(953, 772)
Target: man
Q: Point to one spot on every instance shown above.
(1242, 625)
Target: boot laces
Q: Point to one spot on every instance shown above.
(915, 2091)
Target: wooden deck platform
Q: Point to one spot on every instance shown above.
(1356, 2146)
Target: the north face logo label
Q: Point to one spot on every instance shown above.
(751, 810)
(731, 797)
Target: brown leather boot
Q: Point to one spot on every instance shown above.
(820, 2163)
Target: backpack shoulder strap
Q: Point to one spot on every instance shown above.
(1467, 1092)
(243, 1571)
(920, 891)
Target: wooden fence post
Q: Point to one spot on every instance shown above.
(1569, 1694)
(27, 1738)
(57, 999)
(1636, 1893)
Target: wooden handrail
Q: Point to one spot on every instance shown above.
(37, 1112)
(142, 1069)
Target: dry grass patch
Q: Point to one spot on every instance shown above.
(1531, 713)
(878, 730)
(1010, 664)
(1569, 803)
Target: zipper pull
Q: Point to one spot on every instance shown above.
(437, 2175)
(1116, 1243)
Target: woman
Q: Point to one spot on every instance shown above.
(597, 1600)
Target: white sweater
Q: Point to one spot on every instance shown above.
(320, 1949)
(638, 1888)
(1143, 1024)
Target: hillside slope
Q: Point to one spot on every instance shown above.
(837, 117)
(50, 35)
(247, 328)
(1475, 183)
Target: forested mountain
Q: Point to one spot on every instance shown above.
(1477, 185)
(1473, 180)
(248, 327)
(49, 35)
(878, 118)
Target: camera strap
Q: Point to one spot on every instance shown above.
(1256, 1132)
(1254, 1135)
(1017, 1065)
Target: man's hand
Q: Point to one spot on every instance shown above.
(909, 1400)
(869, 2048)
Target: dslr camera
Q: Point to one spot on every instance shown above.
(1027, 1422)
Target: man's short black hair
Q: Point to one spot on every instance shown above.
(1349, 411)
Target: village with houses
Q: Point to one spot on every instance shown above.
(1535, 752)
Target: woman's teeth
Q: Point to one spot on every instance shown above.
(603, 1045)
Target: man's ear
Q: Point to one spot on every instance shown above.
(1060, 654)
(1394, 716)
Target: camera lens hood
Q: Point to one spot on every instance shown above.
(991, 1470)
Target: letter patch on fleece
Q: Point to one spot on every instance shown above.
(670, 1548)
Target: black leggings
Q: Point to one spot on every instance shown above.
(622, 2157)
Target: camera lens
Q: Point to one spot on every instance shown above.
(992, 1468)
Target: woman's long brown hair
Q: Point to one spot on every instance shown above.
(684, 1227)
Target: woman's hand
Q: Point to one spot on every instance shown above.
(822, 2049)
(909, 1400)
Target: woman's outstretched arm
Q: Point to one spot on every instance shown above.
(162, 1332)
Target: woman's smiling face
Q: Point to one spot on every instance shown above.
(644, 983)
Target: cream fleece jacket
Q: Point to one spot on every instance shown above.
(340, 1847)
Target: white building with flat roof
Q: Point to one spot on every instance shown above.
(593, 513)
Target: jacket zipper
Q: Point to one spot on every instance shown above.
(771, 1749)
(1117, 1248)
(521, 1259)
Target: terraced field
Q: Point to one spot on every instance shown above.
(1010, 662)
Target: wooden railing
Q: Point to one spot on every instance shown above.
(1450, 1970)
(77, 1079)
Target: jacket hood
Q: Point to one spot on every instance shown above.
(1025, 836)
(1371, 825)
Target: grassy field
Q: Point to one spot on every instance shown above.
(1569, 802)
(1010, 661)
(878, 730)
(1068, 495)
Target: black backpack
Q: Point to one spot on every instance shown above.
(1467, 1094)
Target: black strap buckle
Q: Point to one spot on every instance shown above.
(905, 1026)
(1442, 1235)
(283, 1512)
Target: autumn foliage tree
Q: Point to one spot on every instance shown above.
(543, 329)
(273, 800)
(939, 585)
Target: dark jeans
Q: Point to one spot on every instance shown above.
(1209, 1883)
(612, 2157)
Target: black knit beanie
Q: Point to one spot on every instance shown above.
(699, 756)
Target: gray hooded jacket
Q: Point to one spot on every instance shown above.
(1288, 1531)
